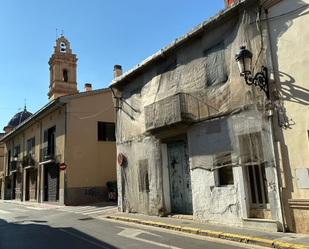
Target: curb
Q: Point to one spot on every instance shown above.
(214, 234)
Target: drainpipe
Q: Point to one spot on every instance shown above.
(39, 166)
(270, 118)
(64, 156)
(64, 149)
(12, 181)
(281, 215)
(121, 170)
(22, 173)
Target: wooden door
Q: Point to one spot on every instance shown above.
(180, 178)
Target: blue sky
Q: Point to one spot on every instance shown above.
(101, 33)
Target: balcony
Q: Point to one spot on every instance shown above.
(173, 115)
(14, 166)
(47, 155)
(28, 161)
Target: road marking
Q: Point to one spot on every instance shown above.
(20, 210)
(189, 235)
(94, 243)
(99, 211)
(4, 212)
(132, 233)
(35, 208)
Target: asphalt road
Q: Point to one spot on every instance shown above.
(28, 227)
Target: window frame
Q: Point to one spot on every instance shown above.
(102, 131)
(221, 163)
(32, 150)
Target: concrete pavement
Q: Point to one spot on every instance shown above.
(267, 239)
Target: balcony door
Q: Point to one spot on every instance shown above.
(50, 141)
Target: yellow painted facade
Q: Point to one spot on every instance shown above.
(288, 57)
(90, 163)
(65, 130)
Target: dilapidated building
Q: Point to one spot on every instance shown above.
(195, 138)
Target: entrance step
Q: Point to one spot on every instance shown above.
(260, 224)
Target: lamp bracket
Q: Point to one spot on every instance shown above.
(260, 79)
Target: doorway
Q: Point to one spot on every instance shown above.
(259, 202)
(17, 187)
(31, 185)
(179, 178)
(51, 183)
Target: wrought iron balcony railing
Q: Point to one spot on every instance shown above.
(14, 165)
(28, 160)
(47, 153)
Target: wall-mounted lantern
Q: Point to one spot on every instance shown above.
(244, 62)
(15, 157)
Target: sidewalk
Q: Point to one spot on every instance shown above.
(267, 239)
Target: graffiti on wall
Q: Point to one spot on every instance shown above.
(92, 191)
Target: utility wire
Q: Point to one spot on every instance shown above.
(284, 14)
(92, 115)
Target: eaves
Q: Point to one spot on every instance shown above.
(47, 109)
(222, 15)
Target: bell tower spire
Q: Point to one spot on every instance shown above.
(62, 67)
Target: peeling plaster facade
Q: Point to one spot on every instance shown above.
(193, 135)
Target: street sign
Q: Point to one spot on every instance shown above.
(111, 195)
(62, 166)
(120, 159)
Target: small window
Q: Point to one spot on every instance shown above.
(106, 131)
(223, 164)
(143, 176)
(30, 146)
(225, 175)
(17, 152)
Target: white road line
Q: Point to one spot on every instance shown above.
(78, 211)
(83, 207)
(99, 211)
(92, 209)
(84, 239)
(20, 210)
(35, 208)
(4, 212)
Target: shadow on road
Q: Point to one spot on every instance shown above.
(37, 234)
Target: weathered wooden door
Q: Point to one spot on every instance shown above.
(18, 186)
(31, 188)
(180, 178)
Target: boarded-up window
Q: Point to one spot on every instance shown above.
(143, 175)
(250, 148)
(215, 65)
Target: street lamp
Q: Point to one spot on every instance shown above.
(244, 62)
(15, 157)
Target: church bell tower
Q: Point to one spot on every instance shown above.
(62, 67)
